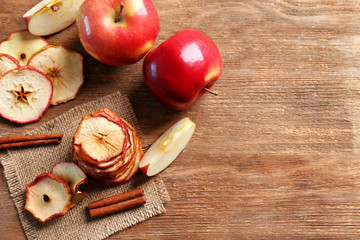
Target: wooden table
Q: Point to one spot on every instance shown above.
(276, 153)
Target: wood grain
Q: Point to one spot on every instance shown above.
(276, 153)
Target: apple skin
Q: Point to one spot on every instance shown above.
(145, 168)
(178, 70)
(117, 43)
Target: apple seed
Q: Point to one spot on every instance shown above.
(55, 8)
(46, 198)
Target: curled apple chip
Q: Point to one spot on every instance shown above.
(65, 69)
(7, 63)
(21, 45)
(51, 16)
(74, 177)
(25, 94)
(48, 197)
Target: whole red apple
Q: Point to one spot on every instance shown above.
(117, 32)
(179, 70)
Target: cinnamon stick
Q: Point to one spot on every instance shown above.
(12, 139)
(117, 207)
(116, 198)
(29, 140)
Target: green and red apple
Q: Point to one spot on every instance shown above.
(117, 32)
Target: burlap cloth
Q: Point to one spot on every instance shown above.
(21, 166)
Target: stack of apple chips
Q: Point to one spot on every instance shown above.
(107, 148)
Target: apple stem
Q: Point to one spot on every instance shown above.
(210, 91)
(117, 17)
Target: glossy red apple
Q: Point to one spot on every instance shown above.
(117, 32)
(179, 70)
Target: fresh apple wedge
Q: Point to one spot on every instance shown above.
(167, 147)
(25, 94)
(21, 45)
(65, 69)
(7, 63)
(48, 197)
(74, 177)
(51, 16)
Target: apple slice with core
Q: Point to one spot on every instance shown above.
(167, 147)
(74, 177)
(25, 94)
(51, 16)
(7, 63)
(48, 197)
(21, 45)
(65, 69)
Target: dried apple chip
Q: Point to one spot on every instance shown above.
(65, 69)
(74, 177)
(7, 63)
(22, 45)
(25, 94)
(48, 197)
